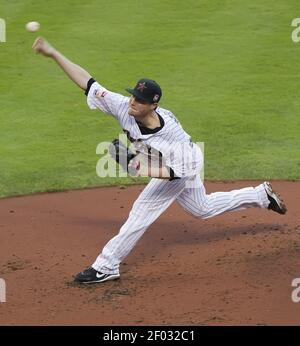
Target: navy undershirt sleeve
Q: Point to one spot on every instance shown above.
(89, 84)
(172, 175)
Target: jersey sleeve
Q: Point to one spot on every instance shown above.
(107, 101)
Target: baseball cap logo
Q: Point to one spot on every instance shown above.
(141, 86)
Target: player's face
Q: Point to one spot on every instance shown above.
(139, 108)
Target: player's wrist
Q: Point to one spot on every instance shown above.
(53, 53)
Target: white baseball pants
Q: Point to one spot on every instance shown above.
(158, 195)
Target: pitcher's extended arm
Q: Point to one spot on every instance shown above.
(75, 72)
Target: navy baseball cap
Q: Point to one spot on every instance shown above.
(147, 90)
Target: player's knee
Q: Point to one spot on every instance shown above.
(198, 213)
(202, 212)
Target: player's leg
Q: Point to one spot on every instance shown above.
(195, 200)
(152, 202)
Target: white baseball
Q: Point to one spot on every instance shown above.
(32, 26)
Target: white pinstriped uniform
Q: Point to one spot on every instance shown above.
(185, 159)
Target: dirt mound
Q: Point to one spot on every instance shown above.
(229, 270)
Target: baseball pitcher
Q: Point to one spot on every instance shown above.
(157, 135)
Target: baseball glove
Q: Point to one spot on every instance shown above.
(119, 152)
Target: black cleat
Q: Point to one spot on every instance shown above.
(276, 203)
(91, 275)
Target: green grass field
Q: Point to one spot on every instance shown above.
(229, 71)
